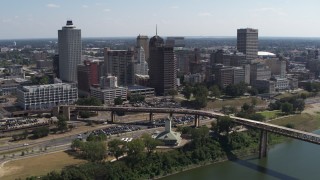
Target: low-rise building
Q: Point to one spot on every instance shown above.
(46, 96)
(265, 86)
(169, 137)
(194, 78)
(109, 94)
(141, 90)
(8, 87)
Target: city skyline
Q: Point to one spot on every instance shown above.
(276, 18)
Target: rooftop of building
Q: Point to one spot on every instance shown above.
(28, 88)
(265, 53)
(137, 87)
(169, 136)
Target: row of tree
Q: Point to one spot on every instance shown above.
(288, 105)
(143, 162)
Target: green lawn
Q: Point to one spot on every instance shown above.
(304, 121)
(270, 114)
(238, 102)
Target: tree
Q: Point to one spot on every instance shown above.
(118, 101)
(187, 91)
(172, 93)
(76, 144)
(135, 148)
(94, 151)
(236, 90)
(62, 123)
(287, 108)
(150, 143)
(229, 110)
(41, 132)
(90, 101)
(200, 93)
(44, 80)
(214, 91)
(136, 98)
(224, 124)
(116, 147)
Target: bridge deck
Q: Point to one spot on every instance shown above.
(293, 133)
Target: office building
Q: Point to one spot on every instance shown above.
(226, 75)
(108, 82)
(259, 71)
(46, 96)
(277, 67)
(194, 78)
(120, 63)
(108, 95)
(69, 41)
(141, 66)
(87, 76)
(247, 42)
(143, 41)
(162, 66)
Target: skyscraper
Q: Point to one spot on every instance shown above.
(69, 39)
(162, 66)
(247, 42)
(120, 63)
(141, 66)
(142, 41)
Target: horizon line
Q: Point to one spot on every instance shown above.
(197, 36)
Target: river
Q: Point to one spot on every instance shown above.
(293, 159)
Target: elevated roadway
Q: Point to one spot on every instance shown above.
(264, 127)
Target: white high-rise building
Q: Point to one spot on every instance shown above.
(141, 67)
(108, 82)
(69, 39)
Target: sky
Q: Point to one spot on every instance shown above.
(124, 18)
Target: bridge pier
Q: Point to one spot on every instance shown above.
(150, 117)
(263, 144)
(113, 116)
(55, 111)
(196, 121)
(66, 112)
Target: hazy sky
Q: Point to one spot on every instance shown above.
(110, 18)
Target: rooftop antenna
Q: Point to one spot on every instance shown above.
(156, 30)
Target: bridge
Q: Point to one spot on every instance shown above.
(264, 127)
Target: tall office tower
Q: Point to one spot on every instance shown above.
(120, 63)
(247, 42)
(142, 41)
(162, 66)
(141, 66)
(69, 41)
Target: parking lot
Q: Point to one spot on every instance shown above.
(119, 129)
(16, 123)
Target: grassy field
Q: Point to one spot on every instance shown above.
(270, 114)
(37, 166)
(304, 121)
(287, 94)
(218, 104)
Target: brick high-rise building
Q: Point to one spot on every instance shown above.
(247, 42)
(87, 76)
